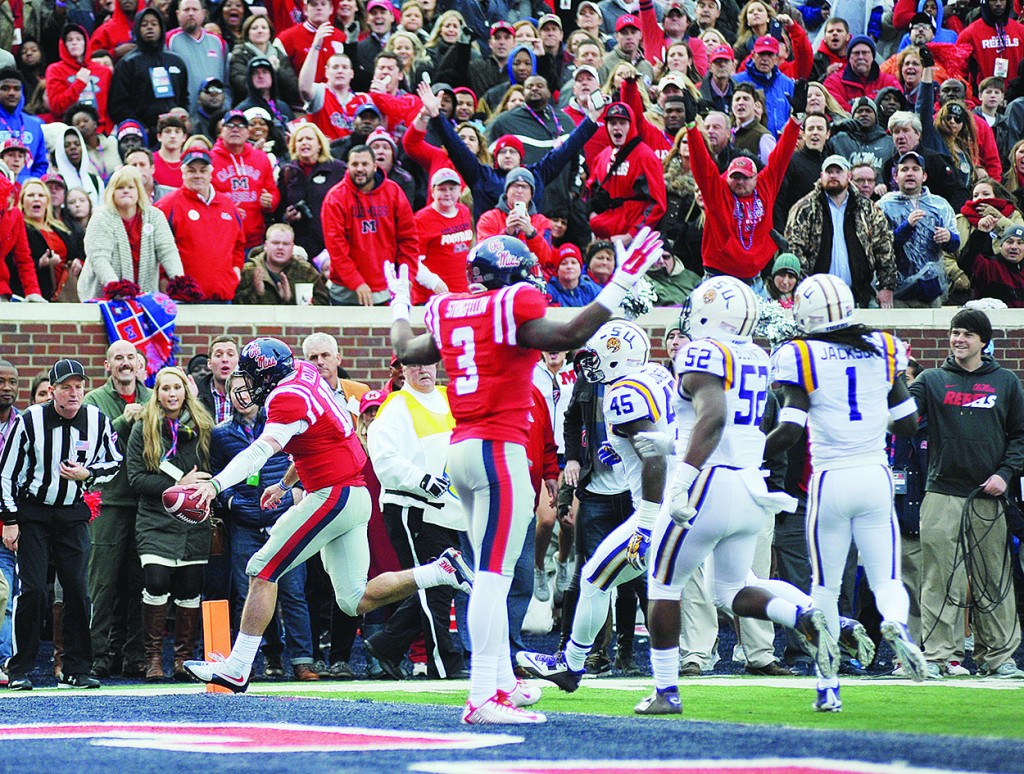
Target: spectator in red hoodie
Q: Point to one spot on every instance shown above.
(207, 228)
(831, 55)
(861, 77)
(246, 175)
(14, 251)
(367, 220)
(116, 34)
(74, 79)
(630, 178)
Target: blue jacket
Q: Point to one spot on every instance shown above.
(488, 183)
(582, 295)
(243, 500)
(29, 130)
(776, 86)
(918, 257)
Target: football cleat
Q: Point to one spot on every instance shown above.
(812, 626)
(499, 711)
(522, 695)
(828, 700)
(907, 653)
(551, 668)
(457, 571)
(855, 642)
(663, 701)
(215, 673)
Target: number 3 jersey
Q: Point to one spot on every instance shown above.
(491, 374)
(743, 368)
(647, 394)
(848, 390)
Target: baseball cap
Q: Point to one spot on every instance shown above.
(53, 177)
(371, 399)
(912, 156)
(672, 78)
(548, 17)
(590, 3)
(379, 4)
(369, 107)
(66, 369)
(503, 26)
(721, 52)
(766, 44)
(260, 61)
(835, 160)
(211, 83)
(1013, 230)
(13, 143)
(627, 20)
(445, 175)
(922, 18)
(688, 7)
(741, 165)
(196, 153)
(587, 69)
(235, 116)
(617, 110)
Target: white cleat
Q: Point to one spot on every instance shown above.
(215, 673)
(456, 569)
(499, 711)
(909, 655)
(523, 695)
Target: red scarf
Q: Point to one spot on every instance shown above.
(970, 210)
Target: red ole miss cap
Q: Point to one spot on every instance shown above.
(741, 165)
(503, 26)
(628, 20)
(766, 44)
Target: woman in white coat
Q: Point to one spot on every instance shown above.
(127, 239)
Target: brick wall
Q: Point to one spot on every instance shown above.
(33, 337)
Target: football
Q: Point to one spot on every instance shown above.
(183, 504)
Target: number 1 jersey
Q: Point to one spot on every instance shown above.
(491, 374)
(743, 368)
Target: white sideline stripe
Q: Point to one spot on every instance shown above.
(340, 689)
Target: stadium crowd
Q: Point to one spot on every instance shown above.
(285, 152)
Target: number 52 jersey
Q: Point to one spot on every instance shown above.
(743, 368)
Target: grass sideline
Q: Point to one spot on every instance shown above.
(926, 709)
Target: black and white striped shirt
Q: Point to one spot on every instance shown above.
(39, 442)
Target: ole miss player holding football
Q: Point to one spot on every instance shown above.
(304, 420)
(489, 340)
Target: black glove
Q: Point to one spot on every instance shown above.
(927, 57)
(798, 101)
(434, 486)
(689, 106)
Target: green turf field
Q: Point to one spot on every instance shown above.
(931, 708)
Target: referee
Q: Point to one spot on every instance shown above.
(54, 452)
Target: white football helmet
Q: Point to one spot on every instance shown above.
(618, 348)
(721, 306)
(823, 302)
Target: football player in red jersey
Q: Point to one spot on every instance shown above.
(304, 420)
(489, 340)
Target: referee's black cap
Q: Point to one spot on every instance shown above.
(65, 369)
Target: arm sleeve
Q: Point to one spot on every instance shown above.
(107, 461)
(653, 34)
(554, 161)
(23, 255)
(778, 162)
(462, 157)
(61, 93)
(12, 473)
(245, 463)
(803, 54)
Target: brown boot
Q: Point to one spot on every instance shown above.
(154, 622)
(58, 638)
(186, 632)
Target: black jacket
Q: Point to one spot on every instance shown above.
(131, 90)
(975, 425)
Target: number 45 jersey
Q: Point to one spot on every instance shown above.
(491, 374)
(647, 394)
(743, 368)
(848, 390)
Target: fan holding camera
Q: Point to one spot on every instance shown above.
(517, 216)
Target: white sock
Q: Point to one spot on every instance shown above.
(427, 576)
(576, 654)
(244, 653)
(665, 665)
(591, 614)
(782, 612)
(488, 633)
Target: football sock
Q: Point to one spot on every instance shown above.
(488, 631)
(591, 614)
(782, 612)
(665, 665)
(892, 601)
(243, 654)
(427, 576)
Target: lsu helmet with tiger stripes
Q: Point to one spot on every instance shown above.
(618, 348)
(822, 303)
